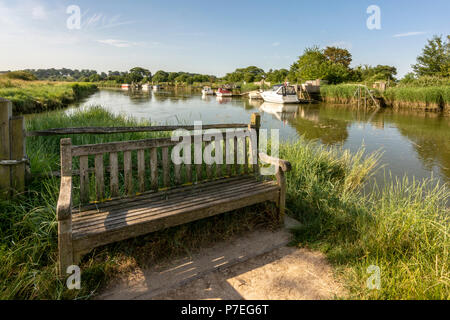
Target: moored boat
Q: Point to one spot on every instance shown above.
(221, 92)
(207, 91)
(281, 94)
(125, 86)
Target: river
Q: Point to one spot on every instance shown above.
(415, 144)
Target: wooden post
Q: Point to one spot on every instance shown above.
(17, 134)
(5, 151)
(64, 214)
(255, 124)
(281, 179)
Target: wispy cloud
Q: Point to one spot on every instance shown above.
(408, 34)
(118, 43)
(39, 13)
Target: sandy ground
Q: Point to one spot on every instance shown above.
(259, 265)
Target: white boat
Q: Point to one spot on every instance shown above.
(254, 95)
(157, 87)
(146, 87)
(281, 111)
(281, 94)
(207, 91)
(125, 86)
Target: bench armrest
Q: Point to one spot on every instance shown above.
(64, 207)
(283, 164)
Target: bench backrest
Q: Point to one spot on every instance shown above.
(126, 168)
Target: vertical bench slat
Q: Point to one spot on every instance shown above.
(166, 166)
(244, 139)
(188, 168)
(84, 179)
(235, 151)
(154, 168)
(128, 172)
(177, 173)
(228, 149)
(114, 174)
(208, 166)
(141, 170)
(99, 177)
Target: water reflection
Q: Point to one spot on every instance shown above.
(415, 143)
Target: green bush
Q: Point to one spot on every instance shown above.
(21, 75)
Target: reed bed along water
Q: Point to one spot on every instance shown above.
(402, 228)
(39, 96)
(412, 97)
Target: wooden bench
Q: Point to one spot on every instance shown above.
(147, 192)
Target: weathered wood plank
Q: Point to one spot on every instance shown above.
(173, 218)
(177, 173)
(245, 155)
(5, 171)
(188, 170)
(161, 203)
(166, 166)
(114, 174)
(84, 179)
(126, 216)
(126, 145)
(188, 189)
(113, 130)
(141, 170)
(17, 129)
(235, 151)
(99, 178)
(128, 173)
(154, 168)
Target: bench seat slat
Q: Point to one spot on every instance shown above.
(150, 203)
(167, 214)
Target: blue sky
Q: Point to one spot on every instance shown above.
(212, 37)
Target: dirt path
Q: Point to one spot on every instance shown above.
(255, 266)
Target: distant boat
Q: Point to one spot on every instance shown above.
(157, 87)
(207, 91)
(146, 87)
(281, 94)
(125, 86)
(224, 93)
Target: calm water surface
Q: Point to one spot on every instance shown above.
(414, 143)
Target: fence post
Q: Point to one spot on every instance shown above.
(5, 151)
(17, 134)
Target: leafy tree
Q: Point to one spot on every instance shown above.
(137, 74)
(160, 76)
(277, 76)
(338, 55)
(435, 58)
(310, 65)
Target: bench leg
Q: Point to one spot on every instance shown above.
(281, 179)
(65, 252)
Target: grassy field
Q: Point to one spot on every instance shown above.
(39, 96)
(402, 228)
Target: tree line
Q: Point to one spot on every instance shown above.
(331, 64)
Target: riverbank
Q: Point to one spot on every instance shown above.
(431, 98)
(402, 228)
(39, 96)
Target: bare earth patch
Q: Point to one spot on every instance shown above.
(255, 266)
